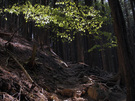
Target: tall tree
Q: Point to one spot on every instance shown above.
(125, 56)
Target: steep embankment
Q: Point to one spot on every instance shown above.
(53, 78)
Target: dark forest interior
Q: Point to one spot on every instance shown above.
(67, 50)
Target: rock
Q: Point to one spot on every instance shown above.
(53, 98)
(77, 93)
(79, 99)
(66, 92)
(92, 92)
(96, 93)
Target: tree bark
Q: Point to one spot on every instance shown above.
(132, 6)
(125, 55)
(80, 50)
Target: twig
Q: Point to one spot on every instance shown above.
(19, 94)
(15, 94)
(26, 99)
(7, 60)
(3, 96)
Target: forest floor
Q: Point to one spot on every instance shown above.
(54, 80)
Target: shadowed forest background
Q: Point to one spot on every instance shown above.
(67, 50)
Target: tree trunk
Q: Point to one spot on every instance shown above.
(102, 2)
(80, 50)
(76, 2)
(132, 6)
(89, 2)
(125, 55)
(53, 3)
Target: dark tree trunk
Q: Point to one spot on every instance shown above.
(102, 2)
(125, 56)
(76, 2)
(73, 51)
(53, 3)
(96, 7)
(132, 2)
(80, 50)
(89, 2)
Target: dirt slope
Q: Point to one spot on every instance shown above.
(55, 80)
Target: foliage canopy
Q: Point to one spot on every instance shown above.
(68, 16)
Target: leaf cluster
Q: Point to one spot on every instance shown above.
(68, 17)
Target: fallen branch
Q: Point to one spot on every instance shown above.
(23, 69)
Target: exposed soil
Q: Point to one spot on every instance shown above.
(55, 80)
